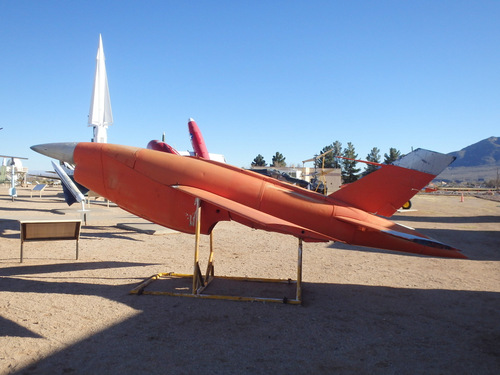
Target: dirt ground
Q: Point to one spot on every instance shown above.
(364, 311)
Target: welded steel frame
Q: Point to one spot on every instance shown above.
(200, 282)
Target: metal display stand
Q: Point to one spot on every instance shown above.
(200, 282)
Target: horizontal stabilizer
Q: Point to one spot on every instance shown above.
(395, 237)
(420, 240)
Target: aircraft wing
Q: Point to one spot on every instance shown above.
(47, 174)
(259, 219)
(12, 157)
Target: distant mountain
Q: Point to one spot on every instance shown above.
(482, 153)
(479, 161)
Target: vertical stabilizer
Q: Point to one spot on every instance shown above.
(384, 191)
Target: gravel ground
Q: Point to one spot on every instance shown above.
(365, 311)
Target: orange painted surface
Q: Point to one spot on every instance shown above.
(162, 188)
(395, 187)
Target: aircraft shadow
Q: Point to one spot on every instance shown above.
(9, 225)
(88, 232)
(65, 267)
(16, 209)
(36, 197)
(353, 329)
(10, 283)
(12, 329)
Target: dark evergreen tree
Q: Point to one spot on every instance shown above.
(278, 160)
(373, 156)
(259, 161)
(337, 151)
(326, 160)
(330, 160)
(349, 170)
(392, 157)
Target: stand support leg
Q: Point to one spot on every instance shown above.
(299, 272)
(210, 265)
(196, 267)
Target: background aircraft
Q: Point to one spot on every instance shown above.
(11, 169)
(199, 147)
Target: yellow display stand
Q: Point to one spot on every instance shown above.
(200, 282)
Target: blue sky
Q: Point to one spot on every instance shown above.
(257, 76)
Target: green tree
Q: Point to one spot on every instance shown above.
(278, 160)
(337, 151)
(326, 160)
(373, 156)
(392, 157)
(259, 161)
(330, 160)
(349, 170)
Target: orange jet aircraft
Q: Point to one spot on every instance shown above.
(163, 188)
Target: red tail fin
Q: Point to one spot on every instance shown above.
(387, 189)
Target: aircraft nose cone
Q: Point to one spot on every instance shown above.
(60, 151)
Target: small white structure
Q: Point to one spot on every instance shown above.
(12, 169)
(100, 114)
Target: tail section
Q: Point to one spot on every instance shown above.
(426, 161)
(384, 191)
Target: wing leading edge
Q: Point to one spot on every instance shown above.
(260, 220)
